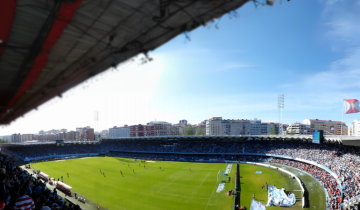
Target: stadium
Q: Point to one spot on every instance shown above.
(162, 173)
(50, 47)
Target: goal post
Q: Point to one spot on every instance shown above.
(221, 177)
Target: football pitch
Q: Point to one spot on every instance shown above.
(173, 186)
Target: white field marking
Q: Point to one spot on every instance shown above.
(171, 182)
(150, 161)
(110, 203)
(183, 196)
(205, 178)
(211, 195)
(86, 157)
(217, 178)
(60, 160)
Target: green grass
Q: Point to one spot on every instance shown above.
(172, 187)
(316, 192)
(252, 183)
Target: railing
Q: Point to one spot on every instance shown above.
(66, 155)
(236, 187)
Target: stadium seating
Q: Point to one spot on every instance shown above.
(342, 160)
(18, 179)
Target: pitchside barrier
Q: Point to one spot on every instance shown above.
(66, 156)
(287, 172)
(236, 187)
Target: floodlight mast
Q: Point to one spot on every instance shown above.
(96, 118)
(281, 102)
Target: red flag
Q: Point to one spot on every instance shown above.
(351, 106)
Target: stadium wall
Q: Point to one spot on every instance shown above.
(66, 156)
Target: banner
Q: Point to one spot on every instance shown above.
(278, 197)
(228, 169)
(257, 205)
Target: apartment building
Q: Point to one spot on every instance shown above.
(116, 132)
(255, 127)
(142, 130)
(354, 130)
(214, 126)
(161, 128)
(299, 129)
(328, 126)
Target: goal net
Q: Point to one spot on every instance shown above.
(221, 177)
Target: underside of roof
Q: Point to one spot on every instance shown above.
(49, 46)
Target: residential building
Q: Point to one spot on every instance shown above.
(183, 122)
(299, 129)
(16, 138)
(214, 126)
(268, 128)
(202, 127)
(117, 132)
(161, 128)
(73, 136)
(175, 130)
(235, 127)
(142, 130)
(328, 126)
(88, 134)
(54, 131)
(27, 137)
(80, 130)
(355, 128)
(62, 136)
(255, 127)
(104, 133)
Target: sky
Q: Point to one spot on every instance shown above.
(233, 68)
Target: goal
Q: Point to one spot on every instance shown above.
(221, 177)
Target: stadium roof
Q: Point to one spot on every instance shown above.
(49, 46)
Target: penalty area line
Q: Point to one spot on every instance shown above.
(183, 196)
(205, 178)
(171, 183)
(211, 196)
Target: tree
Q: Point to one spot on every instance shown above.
(198, 131)
(272, 131)
(5, 140)
(189, 131)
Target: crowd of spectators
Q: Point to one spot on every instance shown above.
(323, 176)
(344, 161)
(21, 190)
(33, 151)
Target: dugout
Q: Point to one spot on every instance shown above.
(64, 188)
(43, 176)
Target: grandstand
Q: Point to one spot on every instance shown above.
(332, 163)
(48, 47)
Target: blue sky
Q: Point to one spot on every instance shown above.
(306, 49)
